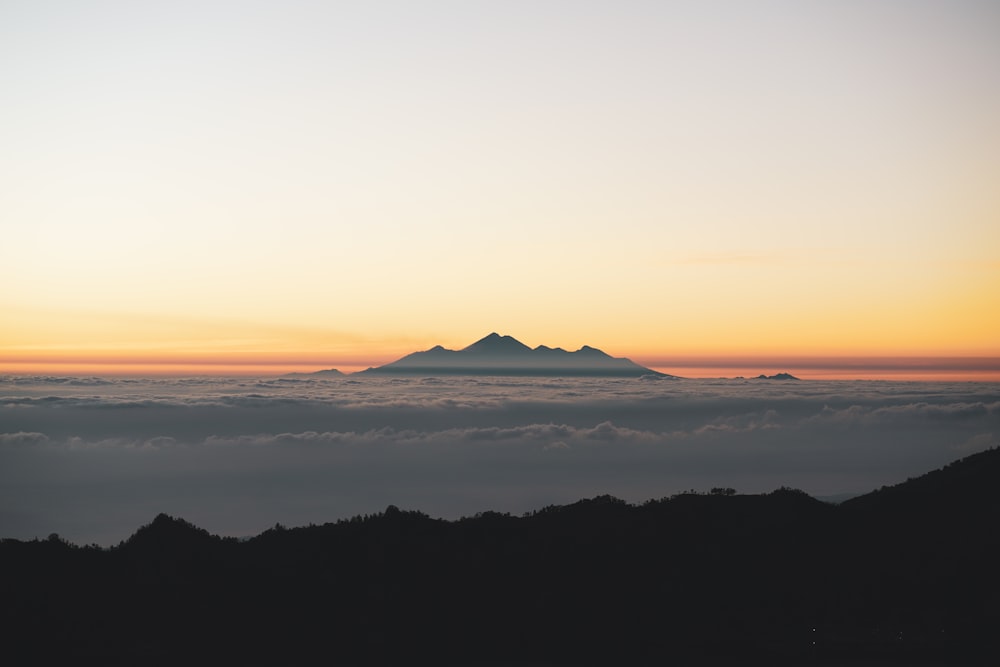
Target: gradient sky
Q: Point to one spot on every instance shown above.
(313, 184)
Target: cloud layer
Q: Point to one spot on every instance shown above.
(93, 458)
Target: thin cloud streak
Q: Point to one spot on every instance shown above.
(737, 258)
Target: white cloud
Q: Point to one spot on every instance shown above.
(22, 439)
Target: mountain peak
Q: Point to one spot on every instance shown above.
(592, 351)
(497, 343)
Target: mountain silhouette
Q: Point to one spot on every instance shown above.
(778, 376)
(904, 575)
(505, 355)
(327, 373)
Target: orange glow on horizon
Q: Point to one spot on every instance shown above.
(979, 369)
(855, 367)
(166, 369)
(97, 344)
(875, 372)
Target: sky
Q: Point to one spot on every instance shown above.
(263, 186)
(93, 459)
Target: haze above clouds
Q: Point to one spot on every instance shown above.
(92, 458)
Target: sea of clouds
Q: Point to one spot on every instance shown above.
(94, 458)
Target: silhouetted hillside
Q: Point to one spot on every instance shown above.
(966, 485)
(902, 574)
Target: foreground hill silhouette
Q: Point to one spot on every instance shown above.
(505, 355)
(904, 575)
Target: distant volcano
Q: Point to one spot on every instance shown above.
(505, 355)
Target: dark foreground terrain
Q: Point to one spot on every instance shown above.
(907, 575)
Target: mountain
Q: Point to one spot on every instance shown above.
(904, 575)
(779, 376)
(328, 373)
(505, 355)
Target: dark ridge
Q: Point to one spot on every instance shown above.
(904, 575)
(968, 484)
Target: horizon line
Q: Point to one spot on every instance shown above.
(818, 367)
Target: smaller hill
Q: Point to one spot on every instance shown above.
(328, 373)
(166, 533)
